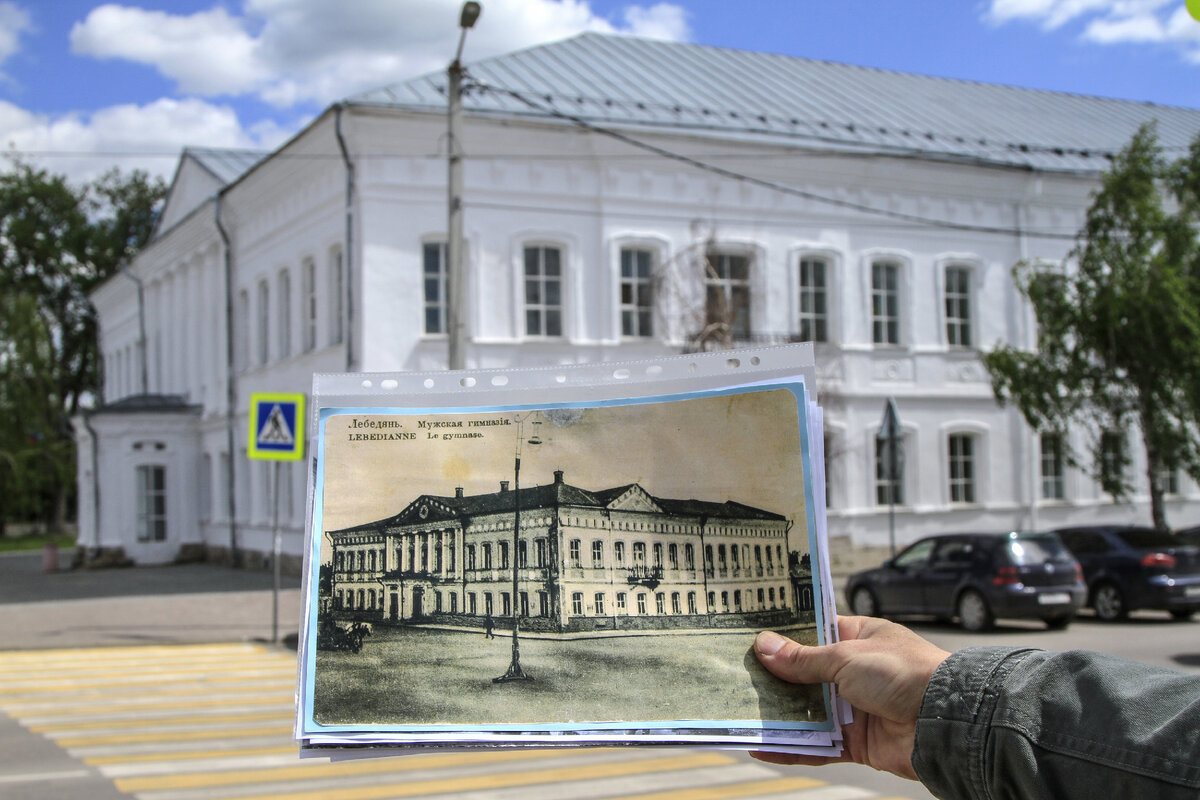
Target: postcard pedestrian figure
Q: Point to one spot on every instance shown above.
(489, 628)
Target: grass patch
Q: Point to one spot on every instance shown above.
(35, 541)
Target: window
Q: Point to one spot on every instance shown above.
(673, 556)
(242, 353)
(621, 602)
(472, 607)
(1053, 472)
(597, 554)
(543, 291)
(470, 556)
(639, 554)
(436, 286)
(641, 603)
(675, 607)
(958, 306)
(522, 554)
(727, 290)
(573, 554)
(1169, 481)
(487, 556)
(264, 322)
(885, 302)
(637, 305)
(658, 555)
(540, 552)
(598, 599)
(308, 310)
(151, 503)
(1112, 460)
(888, 489)
(577, 603)
(691, 602)
(712, 602)
(814, 319)
(285, 314)
(660, 603)
(505, 604)
(504, 555)
(962, 468)
(337, 292)
(737, 601)
(619, 553)
(689, 557)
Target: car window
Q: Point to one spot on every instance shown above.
(1147, 537)
(955, 552)
(915, 556)
(1084, 542)
(1026, 550)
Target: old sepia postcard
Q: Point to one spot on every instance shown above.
(575, 568)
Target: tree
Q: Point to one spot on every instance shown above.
(1118, 325)
(57, 243)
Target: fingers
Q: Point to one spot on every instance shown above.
(794, 662)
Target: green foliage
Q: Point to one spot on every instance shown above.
(57, 243)
(1118, 343)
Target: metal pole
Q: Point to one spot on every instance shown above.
(515, 673)
(456, 294)
(275, 558)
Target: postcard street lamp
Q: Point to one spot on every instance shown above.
(515, 673)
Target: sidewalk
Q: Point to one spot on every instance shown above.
(169, 604)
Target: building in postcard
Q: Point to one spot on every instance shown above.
(615, 559)
(623, 199)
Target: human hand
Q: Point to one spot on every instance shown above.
(882, 668)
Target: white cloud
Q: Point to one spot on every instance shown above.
(14, 21)
(1157, 22)
(82, 146)
(292, 52)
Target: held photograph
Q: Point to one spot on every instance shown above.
(562, 568)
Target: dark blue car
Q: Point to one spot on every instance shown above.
(975, 577)
(1128, 567)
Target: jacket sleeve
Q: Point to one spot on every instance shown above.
(1005, 723)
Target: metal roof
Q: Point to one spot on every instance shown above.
(226, 165)
(623, 81)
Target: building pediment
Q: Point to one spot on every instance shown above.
(635, 498)
(425, 508)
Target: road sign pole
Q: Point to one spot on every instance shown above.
(277, 550)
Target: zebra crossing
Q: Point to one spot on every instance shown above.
(196, 722)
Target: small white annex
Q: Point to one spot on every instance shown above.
(623, 198)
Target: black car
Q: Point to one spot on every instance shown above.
(1129, 567)
(975, 577)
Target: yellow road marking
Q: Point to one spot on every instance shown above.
(178, 736)
(67, 727)
(80, 708)
(501, 780)
(337, 769)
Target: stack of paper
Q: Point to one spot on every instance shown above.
(564, 557)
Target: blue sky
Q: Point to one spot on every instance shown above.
(86, 85)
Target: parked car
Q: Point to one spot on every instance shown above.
(1189, 535)
(975, 577)
(1129, 567)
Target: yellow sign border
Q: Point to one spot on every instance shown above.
(299, 434)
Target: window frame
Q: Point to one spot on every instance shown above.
(284, 323)
(151, 520)
(337, 295)
(440, 284)
(957, 326)
(1057, 479)
(714, 255)
(642, 309)
(818, 318)
(962, 467)
(542, 309)
(880, 321)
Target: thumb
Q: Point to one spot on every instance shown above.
(795, 662)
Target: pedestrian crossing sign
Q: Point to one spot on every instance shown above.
(276, 427)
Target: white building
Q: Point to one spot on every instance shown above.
(619, 194)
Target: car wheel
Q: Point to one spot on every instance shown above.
(1108, 602)
(973, 612)
(1182, 614)
(863, 604)
(1060, 622)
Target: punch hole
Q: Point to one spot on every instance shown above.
(390, 383)
(428, 383)
(654, 369)
(467, 382)
(366, 384)
(560, 378)
(732, 363)
(755, 361)
(621, 374)
(499, 380)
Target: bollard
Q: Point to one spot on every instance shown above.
(49, 558)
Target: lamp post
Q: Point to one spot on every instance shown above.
(889, 443)
(456, 299)
(515, 673)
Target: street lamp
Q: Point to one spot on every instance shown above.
(515, 673)
(456, 301)
(889, 444)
